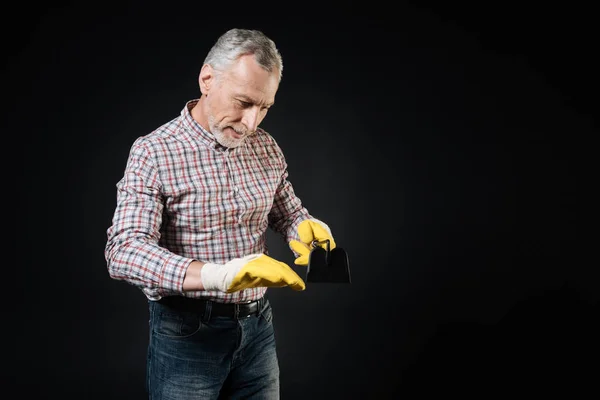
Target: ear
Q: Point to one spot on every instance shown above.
(206, 78)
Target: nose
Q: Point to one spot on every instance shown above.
(251, 118)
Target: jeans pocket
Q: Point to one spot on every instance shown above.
(176, 325)
(267, 313)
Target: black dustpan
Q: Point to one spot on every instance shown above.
(325, 265)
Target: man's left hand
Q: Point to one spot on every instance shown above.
(311, 230)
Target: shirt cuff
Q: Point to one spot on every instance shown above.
(173, 273)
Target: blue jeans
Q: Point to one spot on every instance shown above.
(191, 356)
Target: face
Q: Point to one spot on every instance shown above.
(237, 99)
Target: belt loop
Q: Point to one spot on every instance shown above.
(236, 311)
(207, 310)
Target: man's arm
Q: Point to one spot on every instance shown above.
(287, 211)
(193, 278)
(132, 252)
(293, 221)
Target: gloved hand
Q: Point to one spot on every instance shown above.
(254, 270)
(310, 230)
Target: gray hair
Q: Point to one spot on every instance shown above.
(238, 42)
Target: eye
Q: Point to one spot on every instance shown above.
(245, 104)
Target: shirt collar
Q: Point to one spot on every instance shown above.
(196, 131)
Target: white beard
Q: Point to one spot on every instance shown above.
(224, 139)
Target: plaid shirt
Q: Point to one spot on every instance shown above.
(184, 197)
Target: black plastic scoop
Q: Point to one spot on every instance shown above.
(325, 265)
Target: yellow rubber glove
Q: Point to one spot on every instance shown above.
(254, 270)
(310, 230)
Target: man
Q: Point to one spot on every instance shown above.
(189, 230)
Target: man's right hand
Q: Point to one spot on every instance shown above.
(255, 270)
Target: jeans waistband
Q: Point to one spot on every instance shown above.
(214, 308)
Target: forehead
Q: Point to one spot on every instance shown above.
(247, 78)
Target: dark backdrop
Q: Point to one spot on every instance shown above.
(443, 145)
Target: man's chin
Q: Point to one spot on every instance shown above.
(228, 141)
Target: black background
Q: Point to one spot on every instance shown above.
(444, 146)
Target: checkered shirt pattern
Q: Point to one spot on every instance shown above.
(184, 197)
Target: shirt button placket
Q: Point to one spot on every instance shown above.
(234, 188)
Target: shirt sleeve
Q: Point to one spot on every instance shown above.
(132, 251)
(287, 211)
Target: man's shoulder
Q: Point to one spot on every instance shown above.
(164, 133)
(263, 138)
(264, 145)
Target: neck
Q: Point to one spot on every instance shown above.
(198, 112)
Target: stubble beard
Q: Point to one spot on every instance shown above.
(224, 139)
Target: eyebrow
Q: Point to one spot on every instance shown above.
(251, 100)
